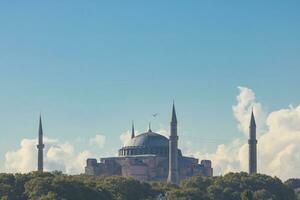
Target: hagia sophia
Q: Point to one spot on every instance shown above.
(151, 157)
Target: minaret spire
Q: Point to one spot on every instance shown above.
(40, 146)
(252, 145)
(174, 117)
(252, 120)
(132, 130)
(173, 176)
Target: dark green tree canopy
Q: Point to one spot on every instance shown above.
(232, 186)
(293, 183)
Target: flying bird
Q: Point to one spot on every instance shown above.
(154, 115)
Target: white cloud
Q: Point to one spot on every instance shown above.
(98, 140)
(279, 149)
(164, 132)
(227, 157)
(23, 159)
(125, 137)
(278, 140)
(246, 101)
(57, 156)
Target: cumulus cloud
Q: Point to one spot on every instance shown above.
(278, 140)
(164, 132)
(98, 140)
(23, 159)
(125, 137)
(227, 157)
(57, 156)
(246, 101)
(279, 149)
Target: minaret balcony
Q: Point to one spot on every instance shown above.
(40, 146)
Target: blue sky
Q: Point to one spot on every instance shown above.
(92, 67)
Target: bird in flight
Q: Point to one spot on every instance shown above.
(154, 115)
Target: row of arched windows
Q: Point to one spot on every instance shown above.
(143, 151)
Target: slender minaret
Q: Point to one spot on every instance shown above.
(173, 176)
(252, 146)
(40, 147)
(132, 131)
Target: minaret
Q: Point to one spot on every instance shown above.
(40, 147)
(252, 146)
(173, 176)
(132, 131)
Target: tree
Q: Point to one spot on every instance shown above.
(247, 195)
(7, 186)
(232, 186)
(187, 194)
(37, 187)
(262, 195)
(126, 188)
(297, 192)
(293, 183)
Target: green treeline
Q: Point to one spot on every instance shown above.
(233, 186)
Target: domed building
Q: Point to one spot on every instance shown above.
(151, 157)
(148, 143)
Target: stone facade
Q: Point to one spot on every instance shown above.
(148, 168)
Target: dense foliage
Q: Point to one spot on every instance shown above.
(295, 184)
(233, 186)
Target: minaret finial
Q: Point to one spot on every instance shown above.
(132, 130)
(150, 127)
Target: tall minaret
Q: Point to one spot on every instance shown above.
(252, 146)
(132, 131)
(173, 176)
(40, 147)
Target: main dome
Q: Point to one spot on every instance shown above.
(148, 143)
(148, 139)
